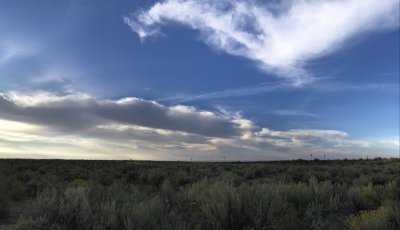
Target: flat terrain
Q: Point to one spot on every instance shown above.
(337, 194)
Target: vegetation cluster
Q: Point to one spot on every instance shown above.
(82, 195)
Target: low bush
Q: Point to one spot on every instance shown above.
(24, 224)
(190, 195)
(4, 206)
(4, 197)
(83, 205)
(17, 190)
(371, 220)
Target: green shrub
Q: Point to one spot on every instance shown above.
(78, 183)
(372, 196)
(4, 197)
(17, 190)
(85, 205)
(394, 213)
(85, 195)
(144, 215)
(4, 206)
(218, 202)
(371, 220)
(180, 178)
(225, 206)
(298, 194)
(313, 216)
(24, 224)
(263, 205)
(155, 177)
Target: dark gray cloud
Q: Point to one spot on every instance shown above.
(112, 132)
(75, 113)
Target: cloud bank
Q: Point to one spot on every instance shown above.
(280, 36)
(76, 112)
(76, 125)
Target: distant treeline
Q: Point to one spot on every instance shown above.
(84, 195)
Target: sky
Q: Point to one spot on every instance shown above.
(199, 80)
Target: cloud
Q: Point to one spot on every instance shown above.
(281, 37)
(76, 112)
(282, 86)
(78, 125)
(291, 112)
(10, 50)
(307, 135)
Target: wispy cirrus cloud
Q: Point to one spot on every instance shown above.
(281, 37)
(292, 112)
(283, 86)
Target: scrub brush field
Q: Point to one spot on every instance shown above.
(78, 194)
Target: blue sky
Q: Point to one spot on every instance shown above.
(181, 79)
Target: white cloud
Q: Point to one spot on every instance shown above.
(307, 135)
(7, 125)
(280, 37)
(41, 98)
(79, 125)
